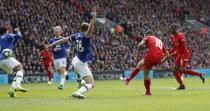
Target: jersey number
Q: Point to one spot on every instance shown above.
(79, 46)
(158, 43)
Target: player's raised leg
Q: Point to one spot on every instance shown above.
(134, 72)
(191, 72)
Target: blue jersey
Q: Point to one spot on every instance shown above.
(7, 41)
(83, 46)
(61, 53)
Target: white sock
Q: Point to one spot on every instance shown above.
(85, 88)
(66, 73)
(14, 84)
(63, 79)
(17, 80)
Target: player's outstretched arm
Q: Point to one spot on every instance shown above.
(166, 57)
(141, 44)
(64, 40)
(92, 22)
(18, 34)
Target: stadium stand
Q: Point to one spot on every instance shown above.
(112, 51)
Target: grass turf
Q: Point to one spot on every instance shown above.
(111, 96)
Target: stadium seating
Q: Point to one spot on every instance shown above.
(112, 51)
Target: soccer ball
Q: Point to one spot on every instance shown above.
(7, 53)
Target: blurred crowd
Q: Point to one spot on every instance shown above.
(112, 51)
(198, 9)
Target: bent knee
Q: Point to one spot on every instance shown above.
(93, 85)
(18, 68)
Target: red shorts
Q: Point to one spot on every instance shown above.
(47, 65)
(151, 60)
(181, 60)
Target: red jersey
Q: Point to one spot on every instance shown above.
(155, 46)
(179, 45)
(155, 52)
(46, 56)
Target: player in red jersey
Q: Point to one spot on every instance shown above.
(156, 51)
(182, 56)
(46, 57)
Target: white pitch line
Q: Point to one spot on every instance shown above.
(174, 88)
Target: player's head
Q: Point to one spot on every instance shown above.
(3, 29)
(57, 31)
(148, 33)
(84, 27)
(173, 28)
(43, 47)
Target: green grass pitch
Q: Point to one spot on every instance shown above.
(111, 95)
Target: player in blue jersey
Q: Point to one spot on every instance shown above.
(59, 56)
(7, 62)
(84, 54)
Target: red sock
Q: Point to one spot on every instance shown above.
(49, 74)
(191, 72)
(178, 78)
(147, 85)
(133, 73)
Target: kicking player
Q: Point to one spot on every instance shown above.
(84, 54)
(182, 57)
(46, 57)
(156, 51)
(7, 62)
(59, 56)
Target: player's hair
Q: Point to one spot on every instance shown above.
(57, 28)
(3, 29)
(173, 25)
(41, 47)
(84, 26)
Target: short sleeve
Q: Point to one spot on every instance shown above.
(146, 39)
(50, 41)
(10, 37)
(181, 38)
(72, 37)
(14, 36)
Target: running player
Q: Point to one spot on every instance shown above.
(156, 51)
(84, 54)
(7, 62)
(59, 56)
(46, 57)
(182, 53)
